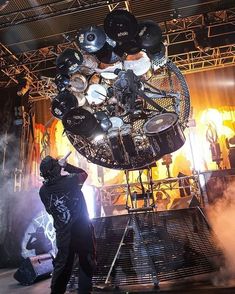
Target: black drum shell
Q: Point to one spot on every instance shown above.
(149, 36)
(80, 121)
(168, 140)
(69, 61)
(63, 103)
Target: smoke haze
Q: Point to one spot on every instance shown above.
(222, 219)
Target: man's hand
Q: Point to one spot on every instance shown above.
(62, 162)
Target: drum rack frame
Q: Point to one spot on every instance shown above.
(110, 194)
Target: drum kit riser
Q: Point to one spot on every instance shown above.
(102, 94)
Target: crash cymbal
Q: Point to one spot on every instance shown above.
(69, 61)
(149, 36)
(91, 39)
(120, 25)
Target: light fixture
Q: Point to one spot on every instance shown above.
(175, 15)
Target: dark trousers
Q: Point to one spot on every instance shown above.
(79, 240)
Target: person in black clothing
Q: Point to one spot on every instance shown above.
(64, 200)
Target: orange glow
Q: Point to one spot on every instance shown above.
(195, 154)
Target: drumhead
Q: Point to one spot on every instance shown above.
(117, 122)
(78, 83)
(160, 123)
(96, 94)
(81, 99)
(139, 63)
(80, 121)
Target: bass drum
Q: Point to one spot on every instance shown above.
(164, 133)
(80, 121)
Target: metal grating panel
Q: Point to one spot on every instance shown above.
(109, 232)
(157, 246)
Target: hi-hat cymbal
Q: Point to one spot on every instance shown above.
(120, 25)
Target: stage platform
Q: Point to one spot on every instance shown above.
(201, 284)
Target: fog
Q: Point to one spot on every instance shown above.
(222, 219)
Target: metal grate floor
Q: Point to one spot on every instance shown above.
(145, 248)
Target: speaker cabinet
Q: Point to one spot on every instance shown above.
(34, 269)
(185, 202)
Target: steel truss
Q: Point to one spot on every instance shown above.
(43, 88)
(56, 8)
(110, 194)
(36, 62)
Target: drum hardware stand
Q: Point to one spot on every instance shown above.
(133, 89)
(145, 195)
(167, 160)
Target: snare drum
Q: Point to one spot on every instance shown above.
(96, 94)
(139, 63)
(78, 83)
(164, 133)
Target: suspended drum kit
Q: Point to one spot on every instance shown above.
(101, 96)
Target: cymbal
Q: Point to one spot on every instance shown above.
(120, 25)
(149, 36)
(91, 39)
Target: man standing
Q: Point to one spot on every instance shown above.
(64, 200)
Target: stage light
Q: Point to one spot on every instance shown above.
(175, 15)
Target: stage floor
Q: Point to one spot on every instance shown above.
(202, 285)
